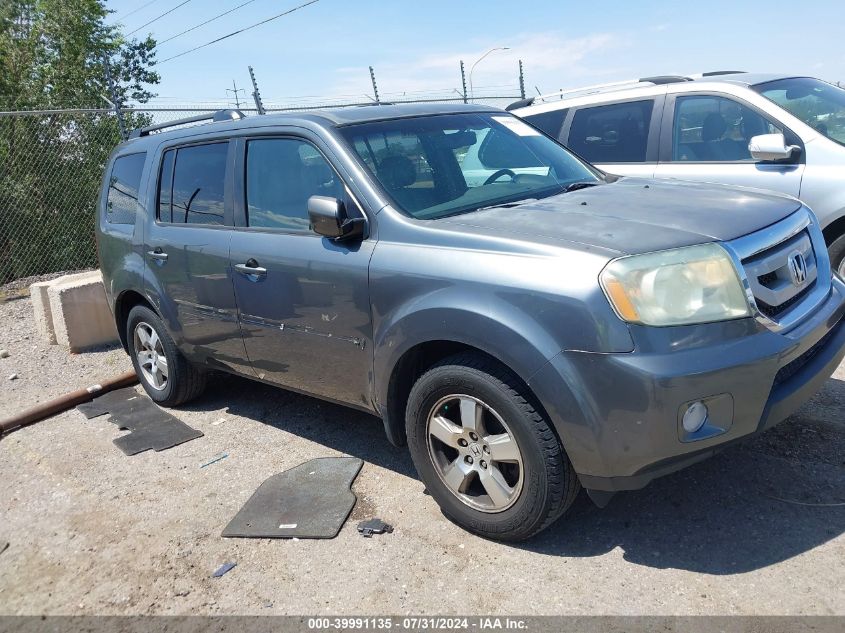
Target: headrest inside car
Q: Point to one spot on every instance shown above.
(397, 171)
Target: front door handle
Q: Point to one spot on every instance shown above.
(251, 268)
(158, 254)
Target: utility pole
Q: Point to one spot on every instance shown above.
(521, 81)
(464, 81)
(235, 90)
(121, 124)
(255, 94)
(375, 87)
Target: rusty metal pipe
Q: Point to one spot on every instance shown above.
(65, 402)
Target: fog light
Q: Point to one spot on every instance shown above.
(695, 417)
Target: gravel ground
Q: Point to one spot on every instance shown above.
(91, 531)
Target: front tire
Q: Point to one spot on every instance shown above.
(485, 452)
(837, 255)
(166, 375)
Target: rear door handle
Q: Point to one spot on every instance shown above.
(158, 254)
(251, 268)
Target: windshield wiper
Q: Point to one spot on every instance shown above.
(506, 205)
(575, 186)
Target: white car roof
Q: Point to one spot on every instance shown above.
(643, 87)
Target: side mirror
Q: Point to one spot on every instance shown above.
(328, 218)
(771, 147)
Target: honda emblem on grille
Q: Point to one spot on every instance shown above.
(797, 268)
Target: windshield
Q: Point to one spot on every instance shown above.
(441, 165)
(818, 104)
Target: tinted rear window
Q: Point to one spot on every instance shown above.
(193, 194)
(616, 133)
(124, 183)
(550, 122)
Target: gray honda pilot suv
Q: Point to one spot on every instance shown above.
(525, 323)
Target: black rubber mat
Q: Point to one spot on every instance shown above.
(312, 500)
(151, 427)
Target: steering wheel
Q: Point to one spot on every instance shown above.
(498, 174)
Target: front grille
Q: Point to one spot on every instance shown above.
(789, 370)
(775, 311)
(772, 283)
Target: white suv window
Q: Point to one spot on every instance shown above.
(715, 129)
(616, 133)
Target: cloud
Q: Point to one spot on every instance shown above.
(549, 58)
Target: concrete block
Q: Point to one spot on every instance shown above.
(43, 315)
(80, 313)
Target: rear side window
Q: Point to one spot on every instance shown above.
(281, 174)
(550, 122)
(615, 133)
(124, 183)
(192, 183)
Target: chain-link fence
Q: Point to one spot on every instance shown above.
(51, 165)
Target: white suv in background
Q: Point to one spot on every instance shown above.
(773, 132)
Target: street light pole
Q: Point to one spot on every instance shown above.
(497, 48)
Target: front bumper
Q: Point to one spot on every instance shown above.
(618, 415)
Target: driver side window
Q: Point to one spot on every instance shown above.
(715, 129)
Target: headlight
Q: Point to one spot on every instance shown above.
(695, 284)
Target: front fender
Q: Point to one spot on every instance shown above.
(523, 349)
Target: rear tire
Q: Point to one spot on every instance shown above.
(507, 481)
(837, 255)
(166, 375)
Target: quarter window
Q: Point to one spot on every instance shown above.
(124, 183)
(281, 174)
(715, 129)
(192, 184)
(615, 133)
(550, 122)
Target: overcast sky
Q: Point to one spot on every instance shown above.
(323, 50)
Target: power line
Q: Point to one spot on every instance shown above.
(247, 28)
(206, 22)
(155, 19)
(143, 6)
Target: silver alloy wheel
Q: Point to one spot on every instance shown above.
(474, 453)
(151, 357)
(842, 268)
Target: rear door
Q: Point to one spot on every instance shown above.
(187, 251)
(705, 138)
(620, 138)
(303, 300)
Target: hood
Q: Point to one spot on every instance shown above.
(634, 215)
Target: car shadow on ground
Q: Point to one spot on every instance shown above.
(758, 503)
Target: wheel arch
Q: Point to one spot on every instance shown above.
(123, 305)
(835, 229)
(399, 360)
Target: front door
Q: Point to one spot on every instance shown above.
(707, 140)
(303, 300)
(187, 252)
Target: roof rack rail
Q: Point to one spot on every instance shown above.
(219, 115)
(616, 85)
(716, 73)
(665, 79)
